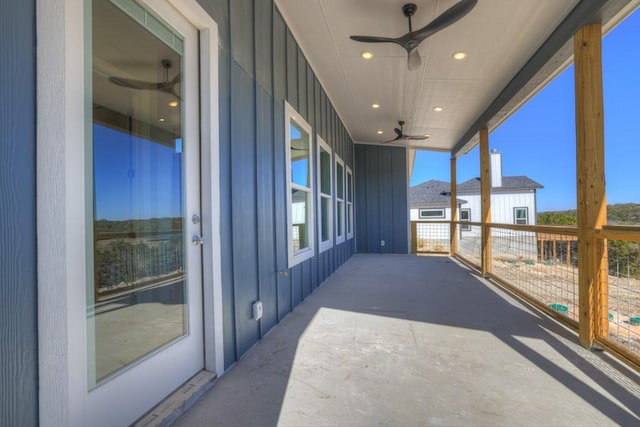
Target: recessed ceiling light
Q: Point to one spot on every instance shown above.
(380, 132)
(427, 135)
(438, 109)
(161, 119)
(376, 106)
(459, 55)
(367, 55)
(173, 104)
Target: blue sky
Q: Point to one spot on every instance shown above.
(539, 139)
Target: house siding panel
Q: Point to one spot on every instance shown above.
(226, 216)
(283, 284)
(265, 211)
(242, 39)
(292, 71)
(381, 195)
(18, 303)
(244, 205)
(279, 57)
(264, 43)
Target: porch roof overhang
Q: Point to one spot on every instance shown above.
(513, 50)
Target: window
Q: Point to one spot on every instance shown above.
(431, 213)
(340, 223)
(521, 215)
(299, 186)
(349, 203)
(465, 215)
(325, 213)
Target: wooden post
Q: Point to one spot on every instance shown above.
(453, 233)
(485, 196)
(592, 204)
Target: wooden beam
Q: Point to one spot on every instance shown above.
(453, 237)
(591, 194)
(485, 196)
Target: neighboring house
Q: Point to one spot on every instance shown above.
(513, 199)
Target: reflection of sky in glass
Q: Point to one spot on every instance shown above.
(135, 178)
(299, 156)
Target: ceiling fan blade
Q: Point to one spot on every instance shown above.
(413, 60)
(448, 17)
(137, 84)
(374, 39)
(416, 137)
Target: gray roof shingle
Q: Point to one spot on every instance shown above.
(508, 183)
(432, 192)
(435, 192)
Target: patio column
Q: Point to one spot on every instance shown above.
(485, 197)
(590, 181)
(453, 237)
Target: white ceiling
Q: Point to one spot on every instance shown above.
(499, 36)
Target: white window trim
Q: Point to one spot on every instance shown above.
(328, 244)
(515, 215)
(431, 210)
(63, 194)
(349, 204)
(340, 238)
(303, 254)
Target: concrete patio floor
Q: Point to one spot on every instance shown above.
(403, 340)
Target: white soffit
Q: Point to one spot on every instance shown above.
(499, 36)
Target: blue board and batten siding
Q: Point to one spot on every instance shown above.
(261, 67)
(18, 304)
(381, 193)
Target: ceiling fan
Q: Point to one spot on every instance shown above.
(400, 135)
(412, 39)
(167, 86)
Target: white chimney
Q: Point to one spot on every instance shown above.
(496, 168)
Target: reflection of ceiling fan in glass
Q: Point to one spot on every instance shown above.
(167, 86)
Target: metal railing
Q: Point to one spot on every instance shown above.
(430, 237)
(620, 295)
(524, 258)
(542, 265)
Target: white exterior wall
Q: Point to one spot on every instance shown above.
(502, 205)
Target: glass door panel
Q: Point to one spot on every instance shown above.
(138, 301)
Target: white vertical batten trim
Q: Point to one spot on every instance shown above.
(60, 210)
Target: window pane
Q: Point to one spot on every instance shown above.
(299, 203)
(464, 215)
(299, 155)
(340, 181)
(349, 218)
(340, 218)
(433, 213)
(325, 208)
(139, 293)
(325, 172)
(349, 187)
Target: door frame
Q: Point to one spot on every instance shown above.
(64, 195)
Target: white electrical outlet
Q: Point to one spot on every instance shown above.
(257, 310)
(381, 242)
